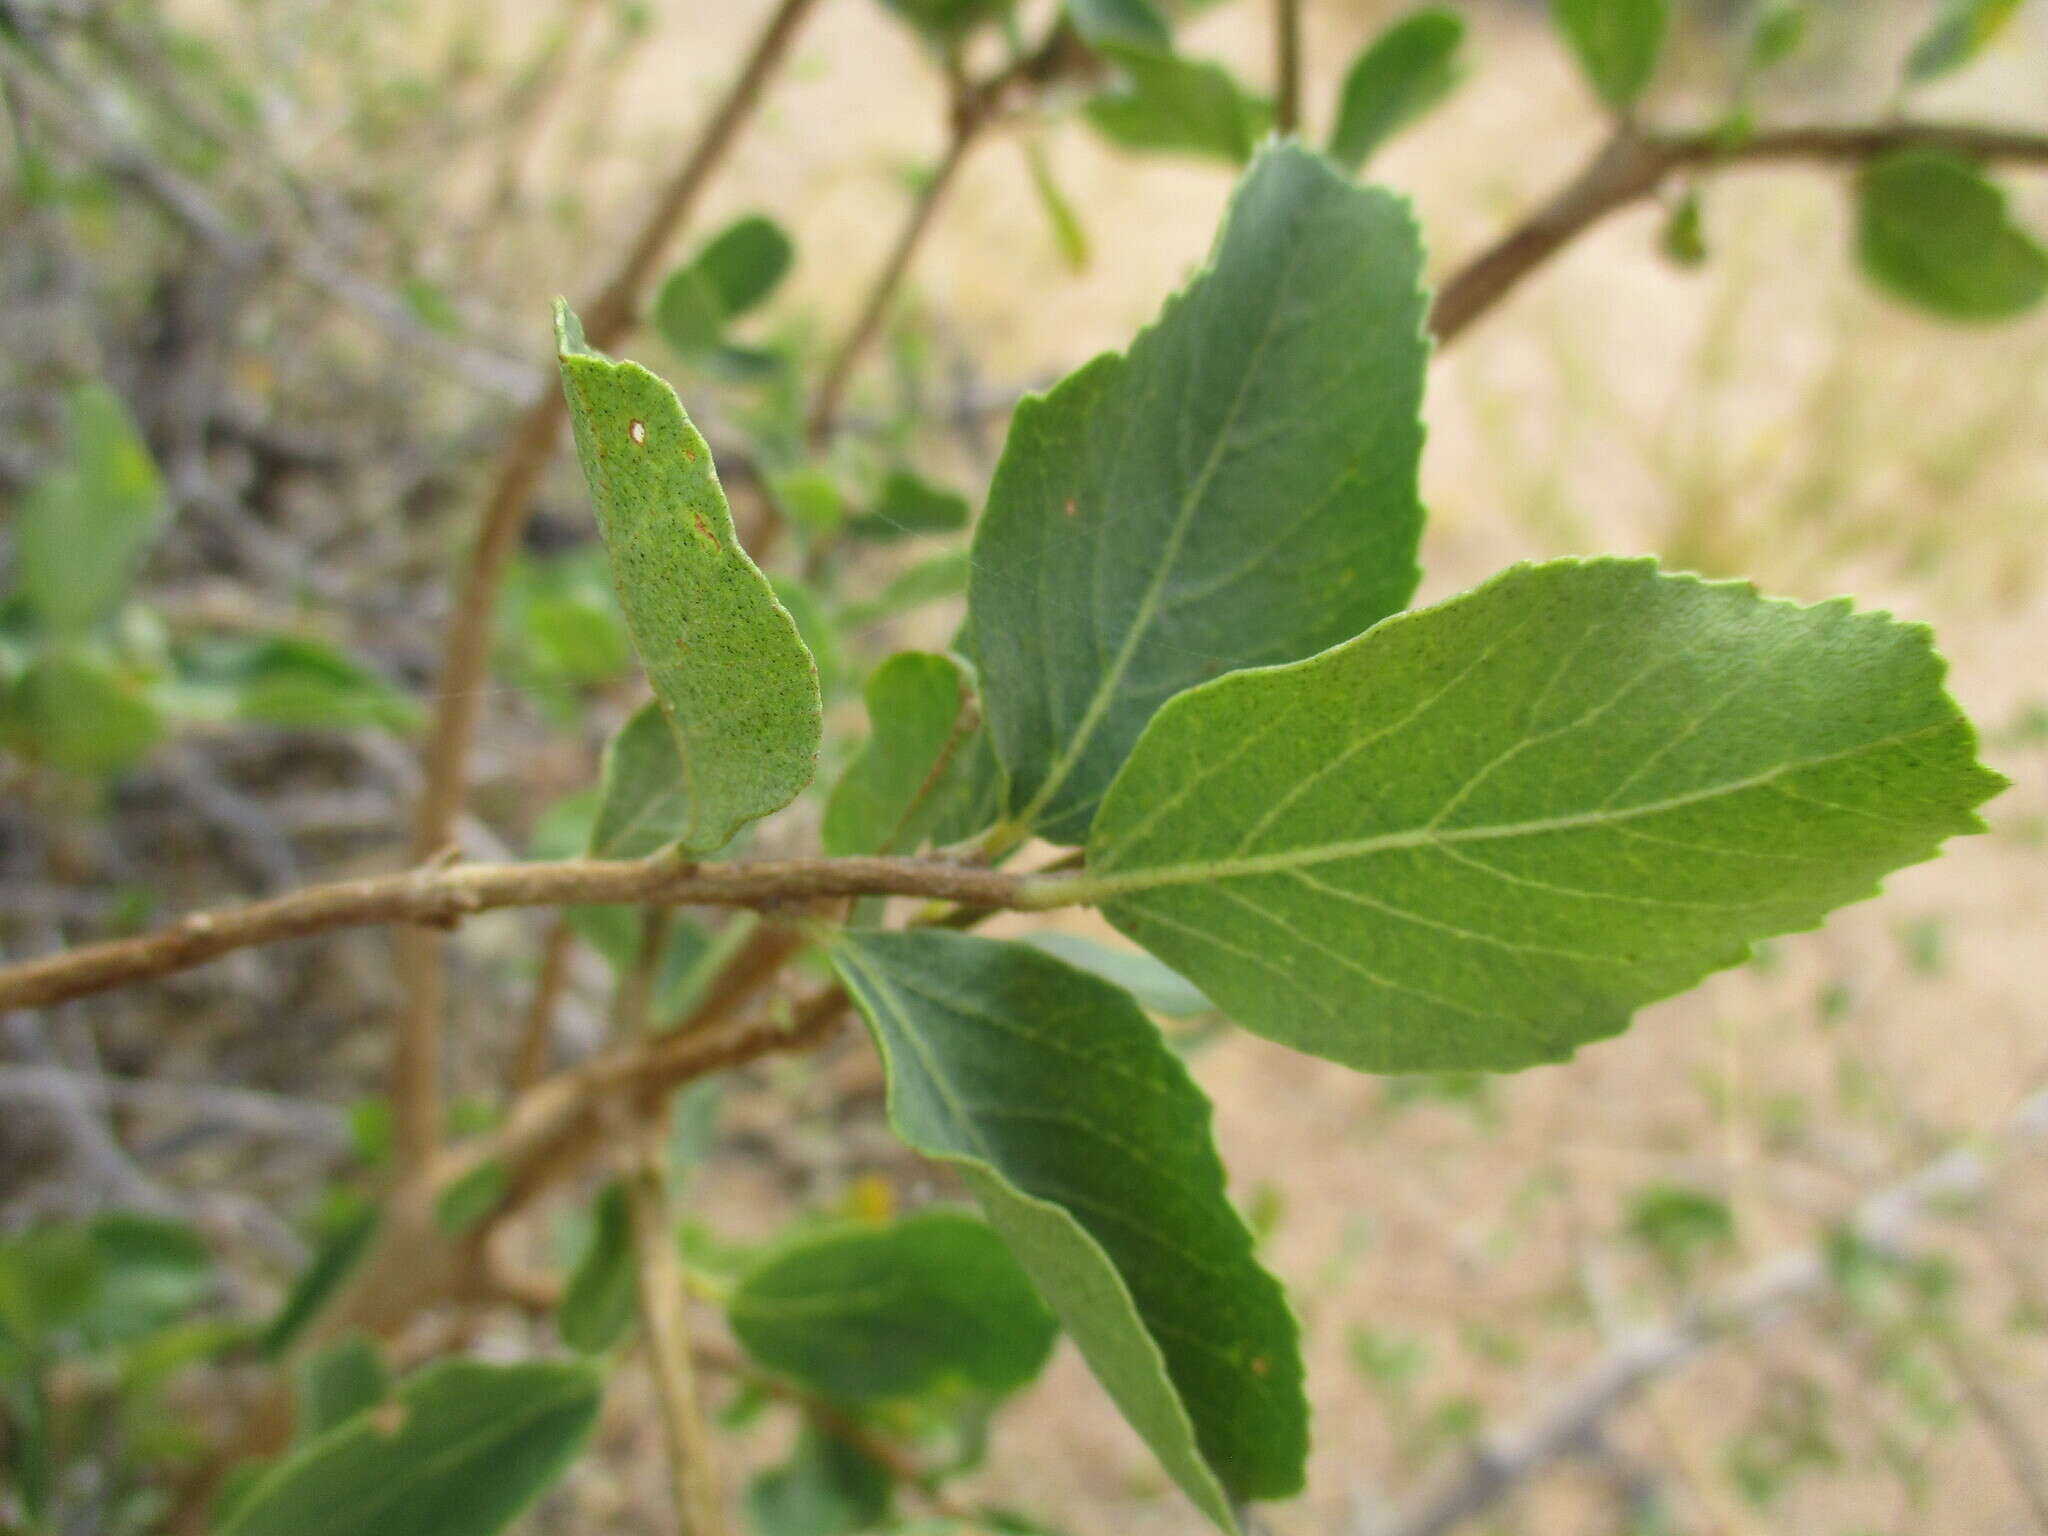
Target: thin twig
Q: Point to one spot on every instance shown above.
(466, 649)
(975, 106)
(881, 294)
(658, 1269)
(444, 896)
(1632, 165)
(1287, 66)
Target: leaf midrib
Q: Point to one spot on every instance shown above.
(685, 748)
(1148, 604)
(1094, 889)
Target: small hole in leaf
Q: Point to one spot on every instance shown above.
(638, 431)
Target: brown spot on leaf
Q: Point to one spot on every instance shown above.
(705, 529)
(1259, 1366)
(388, 1418)
(1071, 509)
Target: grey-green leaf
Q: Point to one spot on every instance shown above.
(1779, 30)
(1935, 232)
(909, 504)
(1132, 22)
(76, 711)
(284, 680)
(460, 1450)
(1483, 834)
(1616, 42)
(725, 659)
(1088, 1146)
(644, 797)
(1154, 984)
(865, 1313)
(1167, 104)
(597, 1306)
(919, 711)
(339, 1382)
(1401, 75)
(826, 1488)
(1960, 33)
(84, 525)
(1238, 489)
(735, 271)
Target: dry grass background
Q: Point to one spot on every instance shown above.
(1767, 416)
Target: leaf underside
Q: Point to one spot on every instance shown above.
(1483, 834)
(728, 667)
(1088, 1146)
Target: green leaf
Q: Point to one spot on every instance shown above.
(472, 1197)
(597, 1308)
(1068, 233)
(459, 1451)
(153, 1270)
(863, 1313)
(1960, 33)
(82, 527)
(974, 796)
(52, 1278)
(826, 1488)
(727, 665)
(339, 1382)
(919, 709)
(1678, 1224)
(1779, 31)
(80, 714)
(334, 1259)
(1088, 1146)
(1168, 104)
(809, 499)
(745, 262)
(644, 798)
(283, 680)
(910, 505)
(1616, 43)
(1402, 74)
(929, 581)
(1155, 985)
(947, 23)
(1933, 231)
(1131, 22)
(1237, 489)
(816, 628)
(1684, 237)
(734, 273)
(1481, 835)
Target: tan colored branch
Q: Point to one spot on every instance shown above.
(658, 1268)
(606, 318)
(882, 292)
(1633, 165)
(975, 107)
(444, 896)
(1287, 66)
